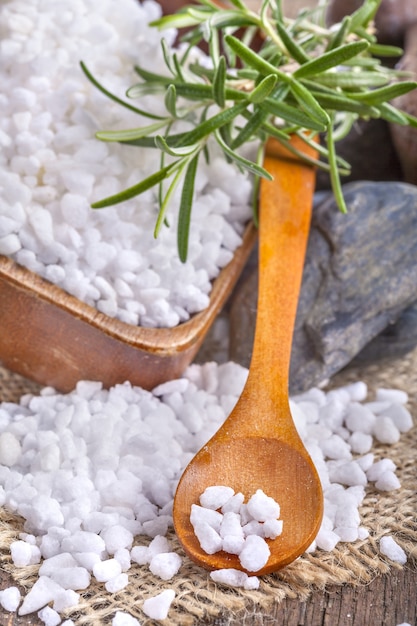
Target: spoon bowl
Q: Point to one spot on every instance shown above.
(258, 446)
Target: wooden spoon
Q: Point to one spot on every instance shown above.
(258, 446)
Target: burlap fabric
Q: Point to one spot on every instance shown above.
(197, 598)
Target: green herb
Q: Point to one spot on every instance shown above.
(305, 79)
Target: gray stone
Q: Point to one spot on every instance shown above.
(366, 163)
(360, 277)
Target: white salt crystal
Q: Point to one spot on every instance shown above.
(334, 447)
(55, 563)
(200, 515)
(229, 576)
(400, 416)
(117, 583)
(388, 481)
(116, 537)
(65, 600)
(165, 565)
(10, 244)
(158, 606)
(263, 507)
(123, 556)
(231, 525)
(216, 496)
(348, 473)
(363, 533)
(75, 578)
(272, 528)
(390, 548)
(375, 471)
(124, 619)
(21, 553)
(105, 570)
(253, 528)
(233, 505)
(43, 591)
(255, 553)
(360, 418)
(158, 545)
(357, 391)
(49, 616)
(385, 431)
(360, 443)
(327, 539)
(10, 449)
(208, 537)
(10, 598)
(392, 395)
(140, 555)
(346, 533)
(233, 544)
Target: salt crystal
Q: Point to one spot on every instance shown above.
(200, 514)
(165, 565)
(10, 598)
(400, 416)
(263, 507)
(75, 578)
(229, 576)
(158, 545)
(158, 606)
(231, 525)
(360, 418)
(208, 537)
(387, 481)
(255, 553)
(375, 471)
(233, 505)
(105, 570)
(65, 599)
(327, 539)
(10, 244)
(49, 616)
(116, 537)
(390, 548)
(43, 591)
(21, 553)
(140, 555)
(392, 395)
(233, 544)
(117, 583)
(272, 528)
(385, 431)
(360, 443)
(124, 619)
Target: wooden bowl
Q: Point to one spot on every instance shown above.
(56, 340)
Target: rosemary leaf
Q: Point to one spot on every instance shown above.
(331, 59)
(184, 215)
(384, 94)
(248, 165)
(135, 190)
(219, 84)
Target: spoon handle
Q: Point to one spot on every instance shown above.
(285, 212)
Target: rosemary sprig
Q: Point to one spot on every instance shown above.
(305, 79)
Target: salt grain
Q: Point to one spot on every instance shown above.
(390, 548)
(10, 598)
(158, 606)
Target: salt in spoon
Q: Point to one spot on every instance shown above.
(258, 446)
